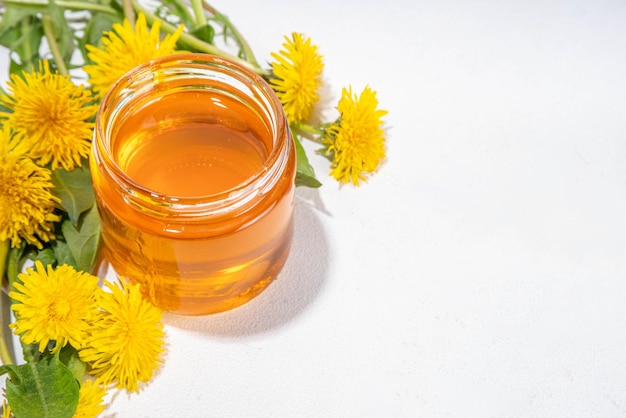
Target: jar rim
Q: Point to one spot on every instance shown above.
(241, 194)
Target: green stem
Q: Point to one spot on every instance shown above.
(310, 130)
(4, 252)
(228, 25)
(48, 30)
(25, 29)
(71, 5)
(84, 5)
(13, 265)
(198, 13)
(87, 6)
(206, 47)
(182, 8)
(5, 355)
(129, 13)
(196, 43)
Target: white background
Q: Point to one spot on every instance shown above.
(482, 271)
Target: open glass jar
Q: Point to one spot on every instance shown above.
(193, 168)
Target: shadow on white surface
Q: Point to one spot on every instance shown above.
(297, 286)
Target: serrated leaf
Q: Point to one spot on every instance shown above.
(43, 389)
(174, 7)
(83, 241)
(75, 191)
(46, 256)
(69, 356)
(62, 253)
(24, 40)
(14, 14)
(305, 176)
(307, 181)
(205, 33)
(63, 33)
(96, 26)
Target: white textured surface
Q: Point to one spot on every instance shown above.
(482, 271)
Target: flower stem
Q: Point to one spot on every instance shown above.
(71, 5)
(198, 13)
(303, 127)
(312, 133)
(4, 252)
(129, 13)
(228, 25)
(196, 43)
(182, 7)
(83, 5)
(48, 30)
(5, 355)
(27, 48)
(13, 264)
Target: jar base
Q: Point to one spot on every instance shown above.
(207, 295)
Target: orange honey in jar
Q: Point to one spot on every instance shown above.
(193, 168)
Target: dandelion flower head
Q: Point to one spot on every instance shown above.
(124, 48)
(52, 115)
(53, 304)
(356, 143)
(297, 76)
(126, 341)
(90, 400)
(26, 202)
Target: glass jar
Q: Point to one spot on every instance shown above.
(193, 169)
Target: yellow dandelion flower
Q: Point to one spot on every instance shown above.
(53, 304)
(51, 115)
(297, 70)
(126, 341)
(26, 203)
(124, 48)
(356, 142)
(90, 403)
